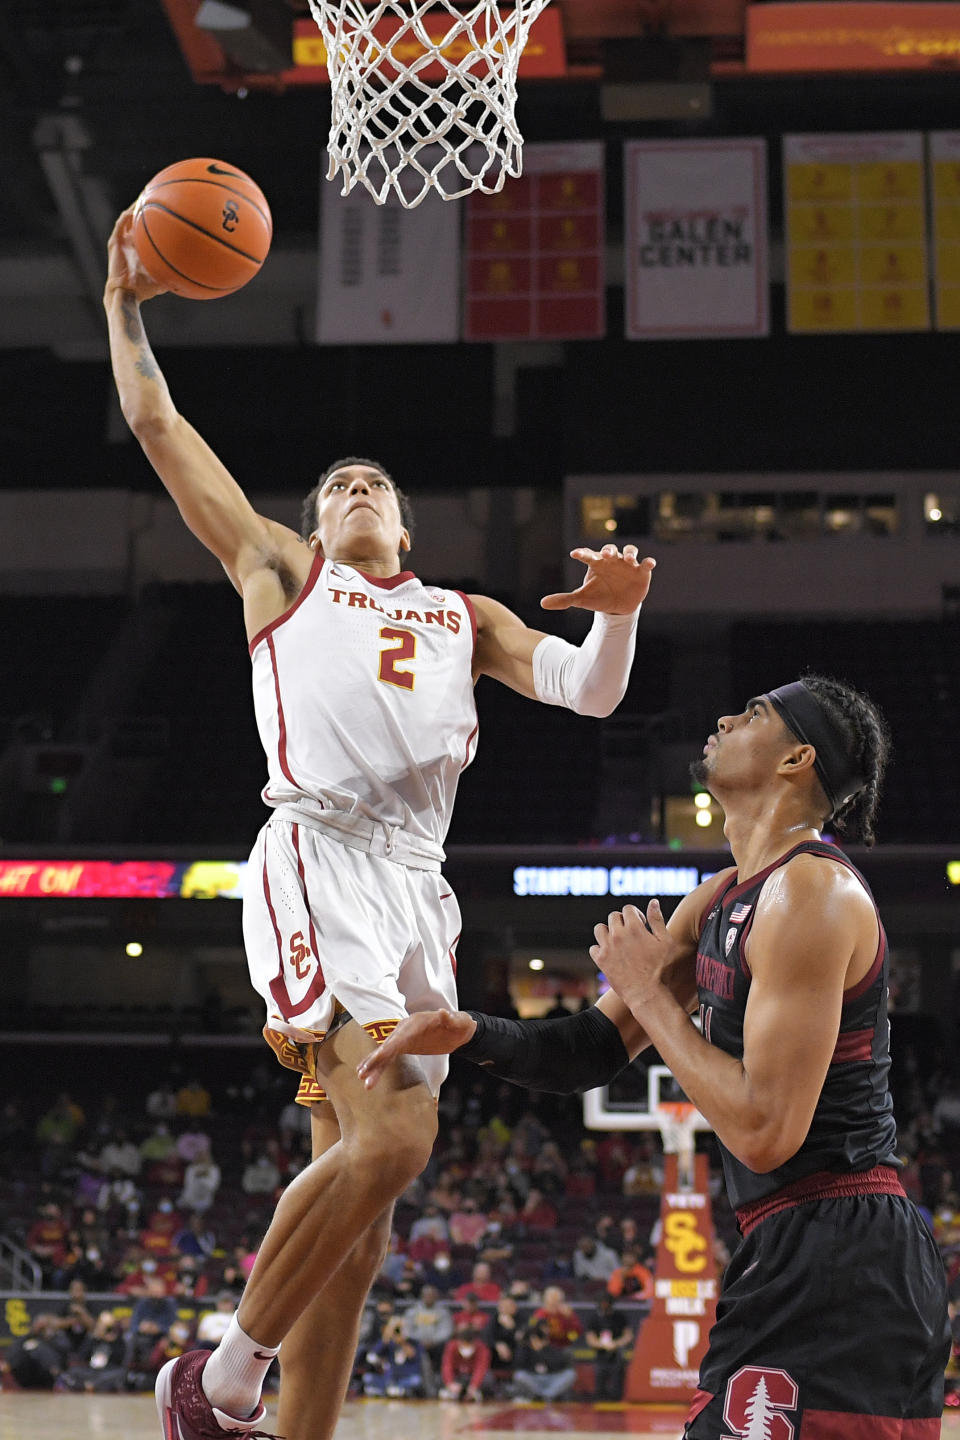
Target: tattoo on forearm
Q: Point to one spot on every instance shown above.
(132, 324)
(146, 365)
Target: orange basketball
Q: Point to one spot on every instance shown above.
(202, 228)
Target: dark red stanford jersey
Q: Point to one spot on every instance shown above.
(853, 1126)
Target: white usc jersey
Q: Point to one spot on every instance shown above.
(364, 700)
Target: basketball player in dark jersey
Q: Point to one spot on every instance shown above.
(832, 1319)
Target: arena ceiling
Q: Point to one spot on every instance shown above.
(97, 95)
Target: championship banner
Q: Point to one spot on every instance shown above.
(856, 233)
(696, 239)
(820, 35)
(535, 251)
(945, 178)
(388, 276)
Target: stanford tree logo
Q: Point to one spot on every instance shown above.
(757, 1404)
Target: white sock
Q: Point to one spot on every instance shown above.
(233, 1376)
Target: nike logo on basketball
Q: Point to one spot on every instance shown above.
(214, 169)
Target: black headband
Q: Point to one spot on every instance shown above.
(802, 712)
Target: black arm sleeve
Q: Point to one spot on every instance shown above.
(562, 1055)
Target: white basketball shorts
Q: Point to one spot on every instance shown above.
(329, 927)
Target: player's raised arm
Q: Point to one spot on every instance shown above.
(209, 499)
(591, 678)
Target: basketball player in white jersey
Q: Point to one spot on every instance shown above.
(363, 690)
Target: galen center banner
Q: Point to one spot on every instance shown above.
(696, 239)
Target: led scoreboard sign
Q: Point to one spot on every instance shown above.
(904, 877)
(617, 880)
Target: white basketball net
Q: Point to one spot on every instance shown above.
(394, 128)
(678, 1132)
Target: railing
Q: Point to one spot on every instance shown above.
(18, 1269)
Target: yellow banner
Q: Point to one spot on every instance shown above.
(856, 233)
(945, 183)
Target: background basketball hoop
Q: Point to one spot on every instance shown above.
(423, 94)
(677, 1130)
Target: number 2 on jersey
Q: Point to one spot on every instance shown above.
(390, 657)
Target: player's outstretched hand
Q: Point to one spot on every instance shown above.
(615, 583)
(428, 1032)
(124, 271)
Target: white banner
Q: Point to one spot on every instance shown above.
(696, 238)
(387, 275)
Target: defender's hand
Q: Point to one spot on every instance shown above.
(614, 584)
(124, 271)
(636, 953)
(428, 1032)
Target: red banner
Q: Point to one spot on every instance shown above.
(544, 56)
(535, 251)
(853, 35)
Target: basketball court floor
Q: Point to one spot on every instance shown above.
(37, 1416)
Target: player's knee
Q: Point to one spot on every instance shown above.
(397, 1146)
(370, 1249)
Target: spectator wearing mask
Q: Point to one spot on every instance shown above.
(494, 1246)
(544, 1369)
(609, 1336)
(170, 1346)
(631, 1280)
(157, 1238)
(465, 1366)
(467, 1223)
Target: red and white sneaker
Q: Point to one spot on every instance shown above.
(186, 1413)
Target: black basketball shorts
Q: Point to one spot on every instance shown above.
(831, 1325)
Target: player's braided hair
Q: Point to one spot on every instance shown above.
(308, 514)
(857, 718)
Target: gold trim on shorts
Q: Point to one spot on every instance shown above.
(302, 1056)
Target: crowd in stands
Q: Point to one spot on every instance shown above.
(520, 1264)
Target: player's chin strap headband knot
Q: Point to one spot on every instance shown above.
(802, 713)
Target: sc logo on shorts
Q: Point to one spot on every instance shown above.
(757, 1403)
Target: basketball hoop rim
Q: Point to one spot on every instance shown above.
(679, 1110)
